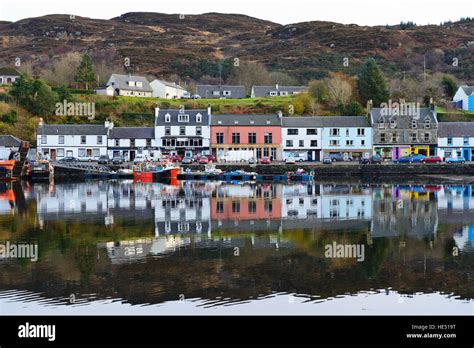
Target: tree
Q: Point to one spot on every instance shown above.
(61, 71)
(85, 72)
(63, 93)
(34, 95)
(339, 91)
(281, 78)
(354, 109)
(250, 73)
(449, 86)
(318, 90)
(371, 84)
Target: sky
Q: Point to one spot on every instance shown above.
(361, 12)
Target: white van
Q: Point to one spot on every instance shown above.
(297, 156)
(237, 156)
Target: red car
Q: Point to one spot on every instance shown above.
(265, 160)
(176, 158)
(211, 158)
(432, 159)
(203, 160)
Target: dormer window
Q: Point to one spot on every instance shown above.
(268, 122)
(199, 118)
(183, 118)
(414, 124)
(167, 118)
(226, 93)
(138, 84)
(427, 123)
(273, 93)
(216, 93)
(236, 122)
(283, 93)
(131, 83)
(381, 123)
(393, 123)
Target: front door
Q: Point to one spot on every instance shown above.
(466, 154)
(132, 155)
(53, 154)
(89, 153)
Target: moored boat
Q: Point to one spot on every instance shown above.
(39, 170)
(155, 172)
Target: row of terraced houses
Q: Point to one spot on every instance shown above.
(193, 132)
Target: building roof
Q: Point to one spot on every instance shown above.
(345, 121)
(121, 82)
(303, 121)
(467, 89)
(71, 129)
(6, 71)
(403, 120)
(246, 120)
(9, 141)
(455, 129)
(160, 120)
(132, 133)
(206, 91)
(169, 84)
(264, 91)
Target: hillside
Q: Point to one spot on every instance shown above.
(155, 41)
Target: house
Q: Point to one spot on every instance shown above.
(346, 136)
(9, 143)
(168, 90)
(301, 137)
(8, 75)
(456, 139)
(132, 141)
(220, 91)
(130, 86)
(84, 141)
(182, 132)
(107, 90)
(259, 133)
(464, 98)
(404, 130)
(276, 91)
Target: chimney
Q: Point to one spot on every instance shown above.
(280, 114)
(276, 86)
(107, 124)
(209, 109)
(40, 123)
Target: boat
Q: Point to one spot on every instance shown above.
(6, 170)
(155, 172)
(39, 170)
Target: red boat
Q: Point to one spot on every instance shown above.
(155, 172)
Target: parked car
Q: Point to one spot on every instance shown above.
(376, 159)
(196, 96)
(211, 158)
(139, 158)
(176, 158)
(187, 160)
(203, 160)
(432, 159)
(404, 159)
(85, 159)
(418, 158)
(68, 159)
(364, 160)
(104, 159)
(265, 160)
(327, 160)
(340, 157)
(455, 160)
(186, 95)
(118, 160)
(290, 160)
(253, 160)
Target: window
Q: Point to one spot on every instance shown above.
(96, 152)
(61, 139)
(69, 153)
(82, 152)
(273, 93)
(268, 138)
(167, 130)
(43, 139)
(235, 138)
(99, 140)
(167, 118)
(381, 123)
(465, 140)
(289, 143)
(347, 132)
(183, 118)
(427, 123)
(393, 123)
(220, 138)
(259, 153)
(311, 131)
(117, 142)
(83, 139)
(313, 143)
(334, 142)
(362, 142)
(252, 138)
(426, 136)
(198, 118)
(226, 93)
(252, 206)
(216, 93)
(360, 132)
(148, 142)
(268, 206)
(414, 137)
(301, 143)
(334, 132)
(349, 142)
(292, 131)
(198, 131)
(414, 124)
(132, 142)
(450, 141)
(182, 130)
(382, 137)
(266, 153)
(235, 207)
(219, 207)
(284, 93)
(394, 138)
(60, 153)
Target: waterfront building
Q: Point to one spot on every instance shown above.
(302, 137)
(456, 139)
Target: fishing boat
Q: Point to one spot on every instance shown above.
(6, 170)
(155, 172)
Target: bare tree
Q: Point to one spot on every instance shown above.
(251, 73)
(339, 91)
(62, 71)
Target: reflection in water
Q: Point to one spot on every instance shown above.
(233, 243)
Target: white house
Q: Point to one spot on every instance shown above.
(108, 91)
(168, 90)
(83, 141)
(456, 139)
(464, 97)
(276, 91)
(128, 85)
(346, 136)
(302, 138)
(183, 132)
(132, 141)
(8, 75)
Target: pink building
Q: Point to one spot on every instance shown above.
(260, 134)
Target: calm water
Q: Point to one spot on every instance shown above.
(233, 248)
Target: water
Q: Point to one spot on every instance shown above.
(231, 248)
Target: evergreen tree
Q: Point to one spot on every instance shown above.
(449, 86)
(371, 84)
(85, 72)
